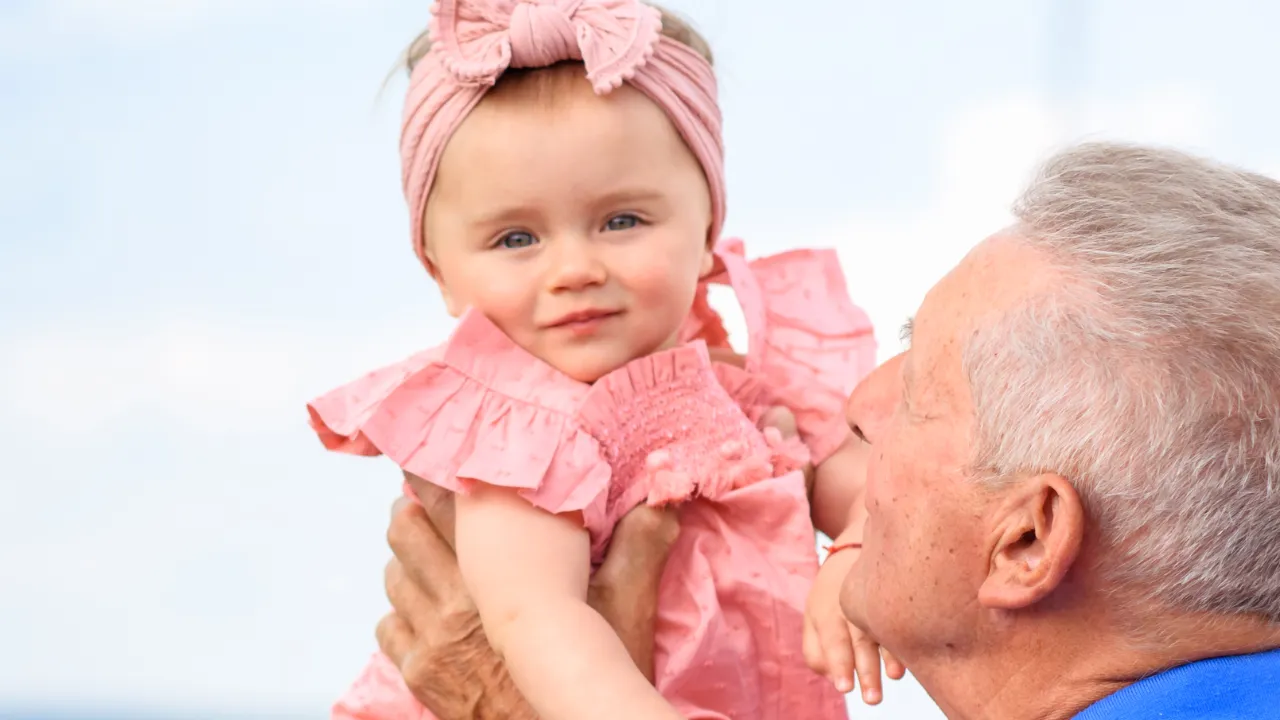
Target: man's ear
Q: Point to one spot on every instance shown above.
(1034, 541)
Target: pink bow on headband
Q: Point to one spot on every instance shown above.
(473, 42)
(611, 37)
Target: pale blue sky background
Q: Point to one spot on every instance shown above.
(201, 227)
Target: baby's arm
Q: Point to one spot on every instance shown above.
(528, 572)
(837, 498)
(834, 647)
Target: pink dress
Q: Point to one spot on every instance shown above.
(670, 427)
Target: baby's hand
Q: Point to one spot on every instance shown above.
(833, 647)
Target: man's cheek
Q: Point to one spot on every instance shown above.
(877, 479)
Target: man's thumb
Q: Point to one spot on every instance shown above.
(781, 418)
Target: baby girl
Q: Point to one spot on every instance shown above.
(563, 164)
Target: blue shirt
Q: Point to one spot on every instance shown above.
(1242, 687)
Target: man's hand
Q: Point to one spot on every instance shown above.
(625, 588)
(434, 634)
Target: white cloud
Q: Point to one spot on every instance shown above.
(41, 28)
(206, 376)
(990, 151)
(138, 15)
(154, 15)
(1177, 115)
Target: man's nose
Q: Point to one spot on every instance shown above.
(872, 402)
(575, 265)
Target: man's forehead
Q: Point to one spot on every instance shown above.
(999, 273)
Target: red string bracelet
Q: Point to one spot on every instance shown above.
(833, 549)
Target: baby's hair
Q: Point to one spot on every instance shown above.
(673, 27)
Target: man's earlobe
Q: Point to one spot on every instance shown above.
(1035, 540)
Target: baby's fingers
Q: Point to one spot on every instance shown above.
(837, 651)
(867, 657)
(893, 667)
(812, 647)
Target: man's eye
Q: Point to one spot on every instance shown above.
(622, 222)
(516, 240)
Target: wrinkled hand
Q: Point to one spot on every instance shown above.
(434, 635)
(834, 647)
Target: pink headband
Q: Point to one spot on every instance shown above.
(474, 41)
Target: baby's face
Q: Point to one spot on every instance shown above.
(577, 223)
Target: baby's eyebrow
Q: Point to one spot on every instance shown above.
(629, 195)
(504, 215)
(904, 334)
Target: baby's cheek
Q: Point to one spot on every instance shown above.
(665, 288)
(506, 302)
(653, 275)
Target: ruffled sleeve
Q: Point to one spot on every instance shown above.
(806, 338)
(480, 409)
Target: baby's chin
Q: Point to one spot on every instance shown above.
(588, 364)
(589, 370)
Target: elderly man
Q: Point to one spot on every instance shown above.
(1074, 495)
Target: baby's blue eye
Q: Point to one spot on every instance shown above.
(622, 222)
(517, 240)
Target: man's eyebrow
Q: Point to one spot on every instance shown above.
(904, 334)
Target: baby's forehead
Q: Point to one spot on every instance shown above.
(581, 144)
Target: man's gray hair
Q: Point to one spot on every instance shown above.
(1151, 377)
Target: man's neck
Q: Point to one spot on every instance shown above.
(1051, 668)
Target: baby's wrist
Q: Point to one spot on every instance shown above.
(835, 548)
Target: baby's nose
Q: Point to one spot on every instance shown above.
(576, 266)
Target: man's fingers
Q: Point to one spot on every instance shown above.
(409, 601)
(784, 421)
(867, 657)
(893, 667)
(427, 560)
(395, 638)
(781, 418)
(438, 504)
(642, 539)
(625, 588)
